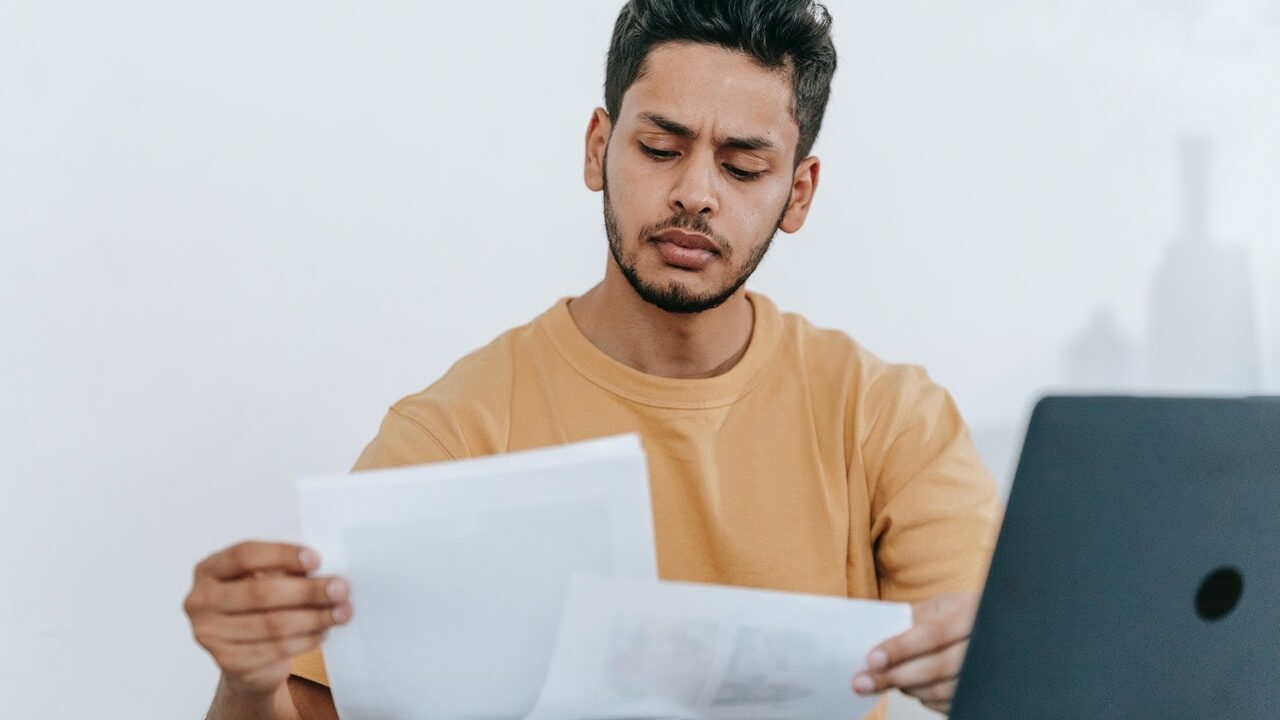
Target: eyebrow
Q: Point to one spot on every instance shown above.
(668, 125)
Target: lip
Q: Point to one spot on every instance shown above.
(687, 240)
(685, 251)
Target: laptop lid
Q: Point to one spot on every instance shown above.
(1137, 572)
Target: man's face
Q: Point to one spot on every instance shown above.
(698, 174)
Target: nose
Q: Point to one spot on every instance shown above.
(695, 190)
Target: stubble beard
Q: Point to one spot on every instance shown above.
(673, 297)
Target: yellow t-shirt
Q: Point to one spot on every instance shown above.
(811, 465)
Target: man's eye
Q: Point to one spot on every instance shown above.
(660, 154)
(742, 174)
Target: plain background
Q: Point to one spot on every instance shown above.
(232, 233)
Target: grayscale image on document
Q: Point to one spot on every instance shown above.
(459, 571)
(636, 649)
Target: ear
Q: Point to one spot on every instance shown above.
(803, 185)
(597, 143)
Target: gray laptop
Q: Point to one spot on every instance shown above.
(1137, 573)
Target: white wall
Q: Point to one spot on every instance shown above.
(232, 233)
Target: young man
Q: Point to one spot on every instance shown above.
(781, 456)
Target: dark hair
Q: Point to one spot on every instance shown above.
(773, 32)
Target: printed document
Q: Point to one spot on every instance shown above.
(458, 571)
(525, 585)
(642, 649)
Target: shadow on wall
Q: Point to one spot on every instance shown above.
(1202, 334)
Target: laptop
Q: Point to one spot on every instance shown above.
(1137, 572)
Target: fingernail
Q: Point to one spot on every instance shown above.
(863, 684)
(309, 559)
(342, 613)
(877, 659)
(336, 589)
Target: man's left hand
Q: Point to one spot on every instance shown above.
(925, 661)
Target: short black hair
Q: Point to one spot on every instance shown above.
(776, 33)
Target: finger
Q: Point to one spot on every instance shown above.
(241, 658)
(935, 627)
(938, 666)
(277, 625)
(939, 707)
(939, 692)
(268, 593)
(928, 670)
(920, 640)
(933, 608)
(247, 557)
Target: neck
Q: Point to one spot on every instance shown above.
(646, 338)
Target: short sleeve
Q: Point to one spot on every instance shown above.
(934, 506)
(310, 665)
(403, 440)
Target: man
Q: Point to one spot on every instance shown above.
(781, 456)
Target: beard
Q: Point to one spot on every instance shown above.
(674, 297)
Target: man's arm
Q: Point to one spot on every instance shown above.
(301, 699)
(935, 513)
(254, 606)
(934, 506)
(231, 705)
(312, 700)
(925, 661)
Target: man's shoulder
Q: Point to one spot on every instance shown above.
(468, 407)
(483, 371)
(875, 393)
(833, 353)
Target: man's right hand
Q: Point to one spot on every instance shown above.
(254, 607)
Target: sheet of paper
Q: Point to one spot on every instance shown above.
(643, 649)
(459, 571)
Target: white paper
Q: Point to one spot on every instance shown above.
(643, 649)
(459, 571)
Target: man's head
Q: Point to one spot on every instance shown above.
(712, 109)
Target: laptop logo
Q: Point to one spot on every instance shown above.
(1219, 593)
